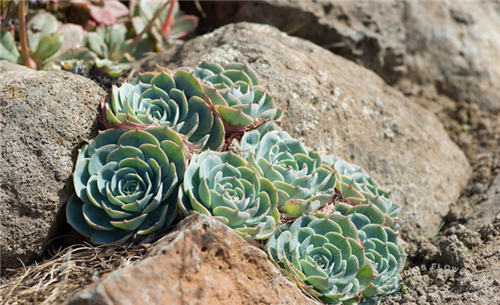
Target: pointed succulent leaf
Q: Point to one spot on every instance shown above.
(8, 48)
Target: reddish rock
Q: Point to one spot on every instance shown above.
(202, 262)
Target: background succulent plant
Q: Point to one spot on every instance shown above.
(124, 181)
(356, 186)
(382, 246)
(169, 26)
(304, 184)
(324, 256)
(236, 93)
(164, 99)
(222, 184)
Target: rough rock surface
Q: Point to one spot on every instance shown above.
(450, 47)
(44, 116)
(202, 262)
(338, 107)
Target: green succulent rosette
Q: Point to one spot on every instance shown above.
(126, 184)
(163, 98)
(223, 185)
(324, 256)
(382, 246)
(303, 182)
(357, 187)
(234, 90)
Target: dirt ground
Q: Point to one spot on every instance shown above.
(460, 264)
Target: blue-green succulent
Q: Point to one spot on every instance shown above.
(324, 256)
(357, 187)
(223, 185)
(304, 183)
(126, 184)
(163, 98)
(382, 246)
(234, 90)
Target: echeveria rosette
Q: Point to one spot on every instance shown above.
(303, 182)
(382, 247)
(223, 185)
(163, 98)
(357, 187)
(126, 183)
(324, 256)
(234, 90)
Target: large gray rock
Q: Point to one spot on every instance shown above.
(44, 117)
(202, 262)
(450, 47)
(338, 107)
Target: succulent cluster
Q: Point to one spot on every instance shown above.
(102, 34)
(168, 149)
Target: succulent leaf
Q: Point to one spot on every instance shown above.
(223, 185)
(8, 48)
(124, 183)
(324, 256)
(304, 184)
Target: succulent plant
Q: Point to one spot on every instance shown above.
(304, 184)
(357, 187)
(103, 12)
(324, 256)
(165, 99)
(236, 93)
(170, 25)
(223, 185)
(126, 184)
(46, 35)
(382, 246)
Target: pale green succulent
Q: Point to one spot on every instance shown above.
(163, 98)
(236, 93)
(357, 187)
(304, 184)
(324, 256)
(223, 185)
(126, 184)
(382, 246)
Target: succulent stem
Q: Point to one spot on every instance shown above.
(23, 38)
(167, 24)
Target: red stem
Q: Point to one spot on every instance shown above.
(169, 21)
(23, 39)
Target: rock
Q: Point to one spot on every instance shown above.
(44, 117)
(486, 212)
(338, 107)
(451, 47)
(202, 262)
